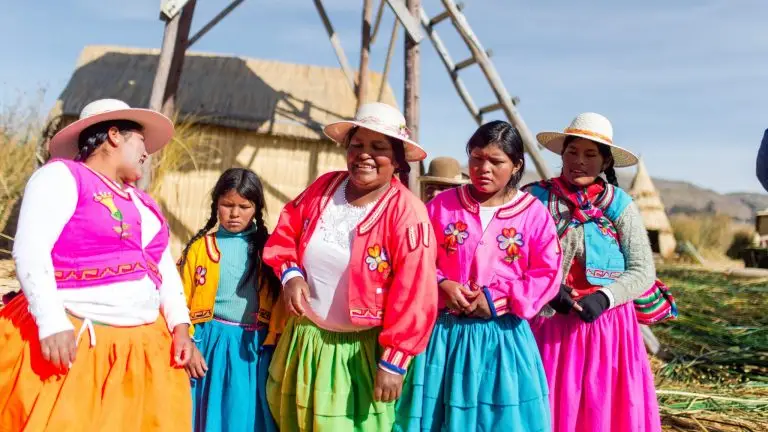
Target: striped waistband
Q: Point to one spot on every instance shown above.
(250, 327)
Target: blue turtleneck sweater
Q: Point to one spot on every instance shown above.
(233, 304)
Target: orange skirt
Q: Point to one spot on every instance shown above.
(126, 382)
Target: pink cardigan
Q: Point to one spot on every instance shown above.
(516, 261)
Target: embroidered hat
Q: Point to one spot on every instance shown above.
(381, 118)
(591, 126)
(444, 170)
(157, 128)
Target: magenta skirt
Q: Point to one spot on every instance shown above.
(599, 376)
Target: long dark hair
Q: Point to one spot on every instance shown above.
(398, 148)
(605, 152)
(248, 185)
(507, 138)
(94, 136)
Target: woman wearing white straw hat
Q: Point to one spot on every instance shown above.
(100, 335)
(592, 349)
(356, 255)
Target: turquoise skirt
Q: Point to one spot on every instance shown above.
(485, 373)
(231, 397)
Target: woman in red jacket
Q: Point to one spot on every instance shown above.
(356, 256)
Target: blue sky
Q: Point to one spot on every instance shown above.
(684, 82)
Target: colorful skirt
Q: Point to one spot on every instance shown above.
(121, 379)
(485, 373)
(321, 380)
(599, 376)
(232, 394)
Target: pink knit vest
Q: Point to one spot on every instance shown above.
(101, 243)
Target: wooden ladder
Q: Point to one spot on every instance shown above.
(480, 57)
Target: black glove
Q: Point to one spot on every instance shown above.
(593, 306)
(563, 301)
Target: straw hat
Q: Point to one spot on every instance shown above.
(380, 118)
(157, 128)
(444, 170)
(591, 126)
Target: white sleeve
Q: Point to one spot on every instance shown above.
(173, 302)
(50, 200)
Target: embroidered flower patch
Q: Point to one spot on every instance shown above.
(200, 273)
(510, 241)
(377, 259)
(455, 234)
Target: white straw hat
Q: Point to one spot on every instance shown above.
(381, 118)
(591, 126)
(157, 128)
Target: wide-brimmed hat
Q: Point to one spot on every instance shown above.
(444, 170)
(591, 126)
(381, 118)
(157, 128)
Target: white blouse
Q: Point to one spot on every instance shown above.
(50, 200)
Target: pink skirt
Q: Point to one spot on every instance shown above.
(599, 375)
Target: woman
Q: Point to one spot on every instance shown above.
(355, 253)
(100, 336)
(593, 352)
(497, 266)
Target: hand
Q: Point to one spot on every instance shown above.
(457, 296)
(182, 345)
(593, 306)
(59, 349)
(563, 301)
(196, 368)
(479, 308)
(387, 386)
(296, 294)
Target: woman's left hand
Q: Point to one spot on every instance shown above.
(387, 386)
(479, 308)
(182, 345)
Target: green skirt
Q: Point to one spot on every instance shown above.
(321, 380)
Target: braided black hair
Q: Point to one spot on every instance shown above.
(605, 152)
(248, 185)
(95, 135)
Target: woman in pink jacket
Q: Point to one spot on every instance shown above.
(498, 264)
(355, 253)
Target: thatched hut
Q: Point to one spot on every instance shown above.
(654, 215)
(265, 115)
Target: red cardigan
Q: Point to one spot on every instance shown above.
(392, 266)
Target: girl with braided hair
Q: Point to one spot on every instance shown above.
(232, 300)
(589, 337)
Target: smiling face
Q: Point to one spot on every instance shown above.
(370, 160)
(582, 162)
(234, 211)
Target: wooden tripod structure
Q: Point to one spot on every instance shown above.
(409, 13)
(412, 16)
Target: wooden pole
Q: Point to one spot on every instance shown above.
(450, 66)
(388, 61)
(169, 65)
(336, 44)
(412, 97)
(365, 51)
(211, 24)
(460, 22)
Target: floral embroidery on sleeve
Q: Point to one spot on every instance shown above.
(200, 273)
(510, 241)
(455, 234)
(377, 259)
